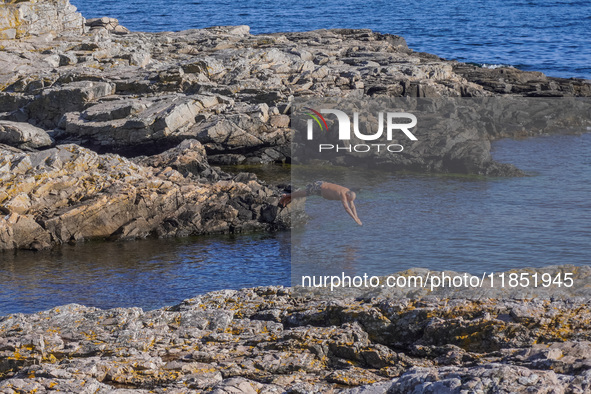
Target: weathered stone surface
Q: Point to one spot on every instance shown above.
(271, 340)
(143, 93)
(182, 101)
(493, 377)
(505, 80)
(107, 24)
(48, 108)
(23, 135)
(69, 193)
(189, 157)
(25, 18)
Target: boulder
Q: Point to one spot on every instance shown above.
(23, 135)
(106, 23)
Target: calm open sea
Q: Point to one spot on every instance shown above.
(541, 35)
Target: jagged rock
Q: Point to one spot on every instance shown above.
(273, 340)
(23, 135)
(106, 23)
(189, 157)
(143, 93)
(505, 80)
(231, 94)
(488, 378)
(25, 18)
(132, 123)
(68, 194)
(52, 103)
(222, 95)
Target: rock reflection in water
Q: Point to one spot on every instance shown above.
(149, 273)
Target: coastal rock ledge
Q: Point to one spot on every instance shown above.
(92, 116)
(268, 340)
(71, 194)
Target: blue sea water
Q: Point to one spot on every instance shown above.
(462, 224)
(148, 273)
(435, 222)
(551, 36)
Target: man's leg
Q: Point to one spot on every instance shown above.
(286, 198)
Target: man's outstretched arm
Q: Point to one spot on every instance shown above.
(351, 212)
(352, 205)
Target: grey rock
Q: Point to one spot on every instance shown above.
(490, 378)
(27, 18)
(189, 157)
(218, 86)
(54, 102)
(230, 93)
(23, 135)
(69, 193)
(219, 343)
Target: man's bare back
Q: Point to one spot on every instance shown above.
(329, 191)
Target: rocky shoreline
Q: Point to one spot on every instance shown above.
(115, 135)
(89, 86)
(279, 340)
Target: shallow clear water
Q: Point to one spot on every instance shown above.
(148, 273)
(464, 224)
(551, 36)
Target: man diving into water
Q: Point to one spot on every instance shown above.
(329, 191)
